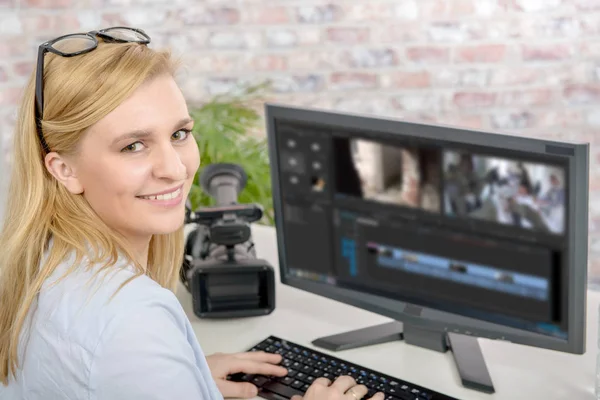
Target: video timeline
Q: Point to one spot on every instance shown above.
(527, 195)
(481, 276)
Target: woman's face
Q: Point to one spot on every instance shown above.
(135, 166)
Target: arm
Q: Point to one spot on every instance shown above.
(146, 355)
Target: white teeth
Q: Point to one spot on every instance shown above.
(166, 196)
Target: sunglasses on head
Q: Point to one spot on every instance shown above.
(75, 44)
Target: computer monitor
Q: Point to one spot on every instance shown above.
(453, 233)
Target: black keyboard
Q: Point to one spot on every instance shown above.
(304, 365)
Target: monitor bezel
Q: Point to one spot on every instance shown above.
(576, 156)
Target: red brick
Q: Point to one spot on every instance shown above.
(224, 62)
(419, 79)
(433, 8)
(66, 23)
(516, 76)
(348, 35)
(474, 99)
(269, 62)
(3, 74)
(534, 97)
(368, 12)
(23, 68)
(459, 8)
(582, 94)
(489, 53)
(16, 46)
(50, 4)
(307, 59)
(354, 80)
(462, 121)
(49, 26)
(546, 52)
(266, 15)
(113, 19)
(200, 15)
(405, 32)
(428, 54)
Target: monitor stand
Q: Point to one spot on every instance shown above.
(465, 349)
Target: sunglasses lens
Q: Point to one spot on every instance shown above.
(124, 34)
(74, 44)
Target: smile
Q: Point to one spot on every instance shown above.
(170, 198)
(166, 196)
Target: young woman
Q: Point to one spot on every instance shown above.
(92, 240)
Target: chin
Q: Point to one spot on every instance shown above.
(164, 226)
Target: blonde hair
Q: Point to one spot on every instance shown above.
(78, 92)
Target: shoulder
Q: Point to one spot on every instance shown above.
(85, 302)
(100, 330)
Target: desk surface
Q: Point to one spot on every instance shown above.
(518, 372)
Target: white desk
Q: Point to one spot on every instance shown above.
(518, 372)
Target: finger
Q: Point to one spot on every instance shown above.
(262, 356)
(254, 367)
(296, 397)
(322, 382)
(378, 396)
(241, 390)
(343, 383)
(359, 391)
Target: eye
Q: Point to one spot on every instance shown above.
(132, 148)
(181, 134)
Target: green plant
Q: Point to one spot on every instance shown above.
(224, 131)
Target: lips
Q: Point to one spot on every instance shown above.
(166, 195)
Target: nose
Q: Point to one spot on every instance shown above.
(168, 163)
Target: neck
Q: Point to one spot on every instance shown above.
(141, 248)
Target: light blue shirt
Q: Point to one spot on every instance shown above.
(139, 345)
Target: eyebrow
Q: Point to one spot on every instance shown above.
(142, 133)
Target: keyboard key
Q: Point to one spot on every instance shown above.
(259, 380)
(297, 384)
(300, 375)
(282, 390)
(287, 380)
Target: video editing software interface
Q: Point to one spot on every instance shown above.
(472, 230)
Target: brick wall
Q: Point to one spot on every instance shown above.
(530, 66)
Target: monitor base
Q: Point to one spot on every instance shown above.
(466, 352)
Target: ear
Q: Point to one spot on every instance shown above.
(64, 172)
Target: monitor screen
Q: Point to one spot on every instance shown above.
(469, 229)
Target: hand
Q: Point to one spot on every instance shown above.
(254, 362)
(344, 388)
